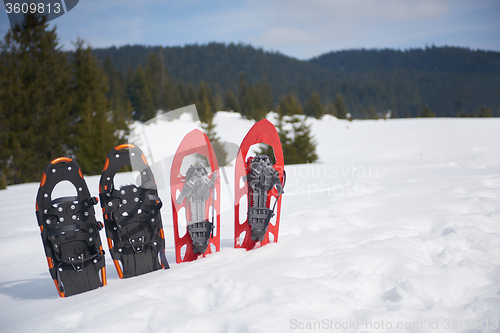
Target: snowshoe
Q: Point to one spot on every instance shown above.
(261, 181)
(69, 230)
(198, 193)
(132, 216)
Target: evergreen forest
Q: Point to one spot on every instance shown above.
(79, 103)
(451, 81)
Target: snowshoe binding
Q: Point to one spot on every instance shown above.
(261, 178)
(69, 230)
(198, 188)
(132, 215)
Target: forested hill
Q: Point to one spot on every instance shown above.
(436, 59)
(449, 80)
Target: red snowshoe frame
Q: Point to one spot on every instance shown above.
(262, 132)
(194, 142)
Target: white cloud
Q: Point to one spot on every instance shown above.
(396, 10)
(285, 35)
(307, 28)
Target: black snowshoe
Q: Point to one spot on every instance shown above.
(69, 230)
(132, 215)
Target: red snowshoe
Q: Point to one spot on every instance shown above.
(198, 194)
(262, 182)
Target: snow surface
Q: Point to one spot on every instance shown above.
(395, 229)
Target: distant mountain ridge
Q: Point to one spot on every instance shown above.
(437, 59)
(449, 80)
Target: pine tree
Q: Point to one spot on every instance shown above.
(242, 87)
(426, 112)
(120, 104)
(255, 101)
(140, 96)
(370, 112)
(178, 97)
(483, 111)
(313, 107)
(246, 103)
(244, 98)
(95, 133)
(36, 119)
(340, 107)
(3, 181)
(295, 134)
(205, 106)
(191, 95)
(331, 109)
(264, 99)
(301, 147)
(289, 105)
(231, 102)
(464, 114)
(157, 78)
(219, 102)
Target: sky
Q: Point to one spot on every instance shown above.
(298, 28)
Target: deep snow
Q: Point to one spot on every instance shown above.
(398, 224)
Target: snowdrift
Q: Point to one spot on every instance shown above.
(396, 228)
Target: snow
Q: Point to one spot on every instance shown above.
(397, 224)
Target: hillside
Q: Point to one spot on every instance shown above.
(398, 224)
(448, 79)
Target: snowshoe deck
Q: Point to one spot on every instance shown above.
(198, 193)
(132, 215)
(261, 181)
(69, 230)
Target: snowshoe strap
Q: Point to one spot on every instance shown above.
(73, 233)
(135, 213)
(64, 234)
(64, 199)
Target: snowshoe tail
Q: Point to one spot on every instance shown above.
(69, 230)
(198, 193)
(261, 181)
(132, 215)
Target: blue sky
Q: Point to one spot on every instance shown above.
(298, 28)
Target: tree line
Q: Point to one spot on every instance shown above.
(55, 103)
(450, 80)
(51, 104)
(80, 103)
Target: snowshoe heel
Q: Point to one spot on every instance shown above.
(69, 231)
(200, 233)
(259, 221)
